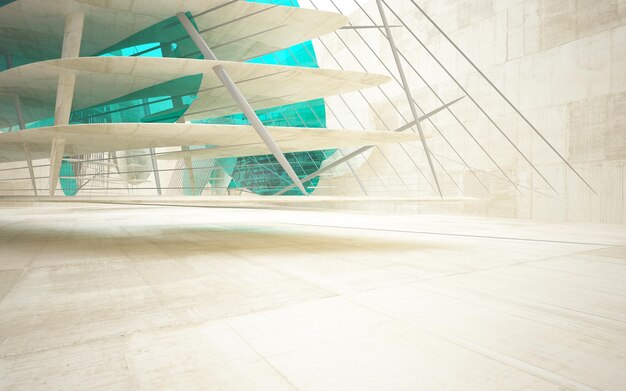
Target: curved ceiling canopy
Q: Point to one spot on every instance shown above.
(228, 140)
(237, 30)
(101, 79)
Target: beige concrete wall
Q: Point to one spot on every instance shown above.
(562, 62)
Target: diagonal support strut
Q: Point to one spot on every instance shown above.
(405, 84)
(506, 99)
(240, 99)
(366, 148)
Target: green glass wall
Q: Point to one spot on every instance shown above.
(167, 102)
(263, 174)
(163, 103)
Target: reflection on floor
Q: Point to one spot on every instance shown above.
(121, 297)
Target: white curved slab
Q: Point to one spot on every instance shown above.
(237, 30)
(229, 140)
(102, 79)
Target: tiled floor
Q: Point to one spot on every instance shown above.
(128, 297)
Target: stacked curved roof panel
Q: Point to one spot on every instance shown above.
(38, 87)
(102, 79)
(236, 30)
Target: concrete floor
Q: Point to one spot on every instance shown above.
(127, 297)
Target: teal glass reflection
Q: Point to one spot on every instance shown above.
(167, 102)
(263, 174)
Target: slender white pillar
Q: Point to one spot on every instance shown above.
(365, 149)
(407, 90)
(72, 39)
(189, 168)
(19, 112)
(71, 48)
(22, 124)
(188, 161)
(31, 170)
(29, 160)
(65, 97)
(155, 171)
(73, 35)
(56, 158)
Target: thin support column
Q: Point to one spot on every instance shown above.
(19, 113)
(189, 168)
(188, 161)
(29, 160)
(65, 93)
(18, 102)
(56, 158)
(31, 170)
(470, 169)
(73, 36)
(155, 170)
(22, 124)
(506, 99)
(241, 101)
(328, 167)
(65, 97)
(8, 58)
(155, 164)
(407, 90)
(362, 150)
(478, 105)
(67, 81)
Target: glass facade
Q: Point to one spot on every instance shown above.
(167, 103)
(263, 174)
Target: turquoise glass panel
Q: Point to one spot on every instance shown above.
(167, 102)
(263, 174)
(69, 184)
(163, 103)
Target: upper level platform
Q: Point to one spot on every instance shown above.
(32, 30)
(102, 79)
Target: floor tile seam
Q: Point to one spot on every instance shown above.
(470, 236)
(549, 284)
(125, 335)
(287, 275)
(89, 341)
(455, 274)
(605, 322)
(569, 272)
(23, 272)
(509, 309)
(520, 263)
(565, 308)
(15, 281)
(23, 232)
(502, 358)
(336, 296)
(370, 266)
(163, 306)
(79, 264)
(132, 372)
(335, 337)
(612, 260)
(276, 370)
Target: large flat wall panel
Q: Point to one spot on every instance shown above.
(561, 62)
